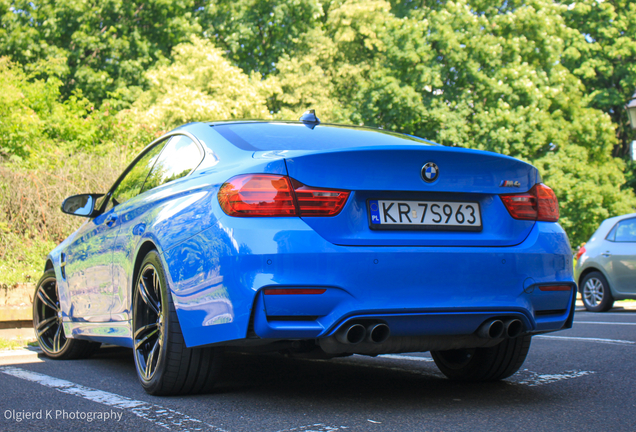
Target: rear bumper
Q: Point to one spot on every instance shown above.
(218, 277)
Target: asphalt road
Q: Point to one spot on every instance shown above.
(580, 379)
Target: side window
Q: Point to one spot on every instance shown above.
(626, 231)
(180, 156)
(130, 186)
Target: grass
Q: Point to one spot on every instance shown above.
(23, 258)
(13, 344)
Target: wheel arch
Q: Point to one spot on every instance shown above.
(49, 265)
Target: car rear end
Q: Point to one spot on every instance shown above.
(382, 243)
(588, 255)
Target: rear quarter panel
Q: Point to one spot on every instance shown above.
(171, 214)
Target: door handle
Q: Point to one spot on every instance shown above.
(111, 219)
(606, 254)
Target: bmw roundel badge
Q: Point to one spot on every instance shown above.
(430, 172)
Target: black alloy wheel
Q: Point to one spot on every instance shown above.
(165, 366)
(48, 324)
(47, 317)
(148, 319)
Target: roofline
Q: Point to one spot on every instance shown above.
(375, 129)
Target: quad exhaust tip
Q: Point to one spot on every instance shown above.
(514, 328)
(491, 329)
(497, 329)
(378, 333)
(353, 334)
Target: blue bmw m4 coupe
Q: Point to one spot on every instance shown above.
(312, 240)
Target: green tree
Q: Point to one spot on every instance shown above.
(602, 53)
(200, 84)
(107, 44)
(306, 81)
(256, 33)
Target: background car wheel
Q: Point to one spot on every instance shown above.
(47, 323)
(484, 364)
(596, 293)
(165, 366)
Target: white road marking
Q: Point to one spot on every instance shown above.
(533, 380)
(160, 416)
(586, 339)
(401, 357)
(536, 379)
(318, 427)
(603, 322)
(618, 313)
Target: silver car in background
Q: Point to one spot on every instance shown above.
(606, 266)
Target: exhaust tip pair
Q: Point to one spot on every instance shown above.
(355, 333)
(497, 329)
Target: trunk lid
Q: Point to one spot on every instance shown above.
(394, 174)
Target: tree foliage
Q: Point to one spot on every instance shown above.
(602, 53)
(107, 44)
(256, 33)
(200, 84)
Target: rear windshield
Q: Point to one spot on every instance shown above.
(297, 136)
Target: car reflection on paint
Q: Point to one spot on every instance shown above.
(312, 240)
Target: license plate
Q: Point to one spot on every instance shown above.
(425, 215)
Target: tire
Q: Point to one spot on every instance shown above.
(165, 366)
(484, 364)
(48, 327)
(596, 293)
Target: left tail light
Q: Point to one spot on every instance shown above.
(319, 202)
(258, 195)
(269, 195)
(539, 203)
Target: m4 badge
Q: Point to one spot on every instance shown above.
(510, 183)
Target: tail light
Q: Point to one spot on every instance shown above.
(548, 204)
(258, 195)
(580, 252)
(319, 202)
(539, 203)
(267, 195)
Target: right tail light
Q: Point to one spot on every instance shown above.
(539, 203)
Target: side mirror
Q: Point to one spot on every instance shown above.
(80, 205)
